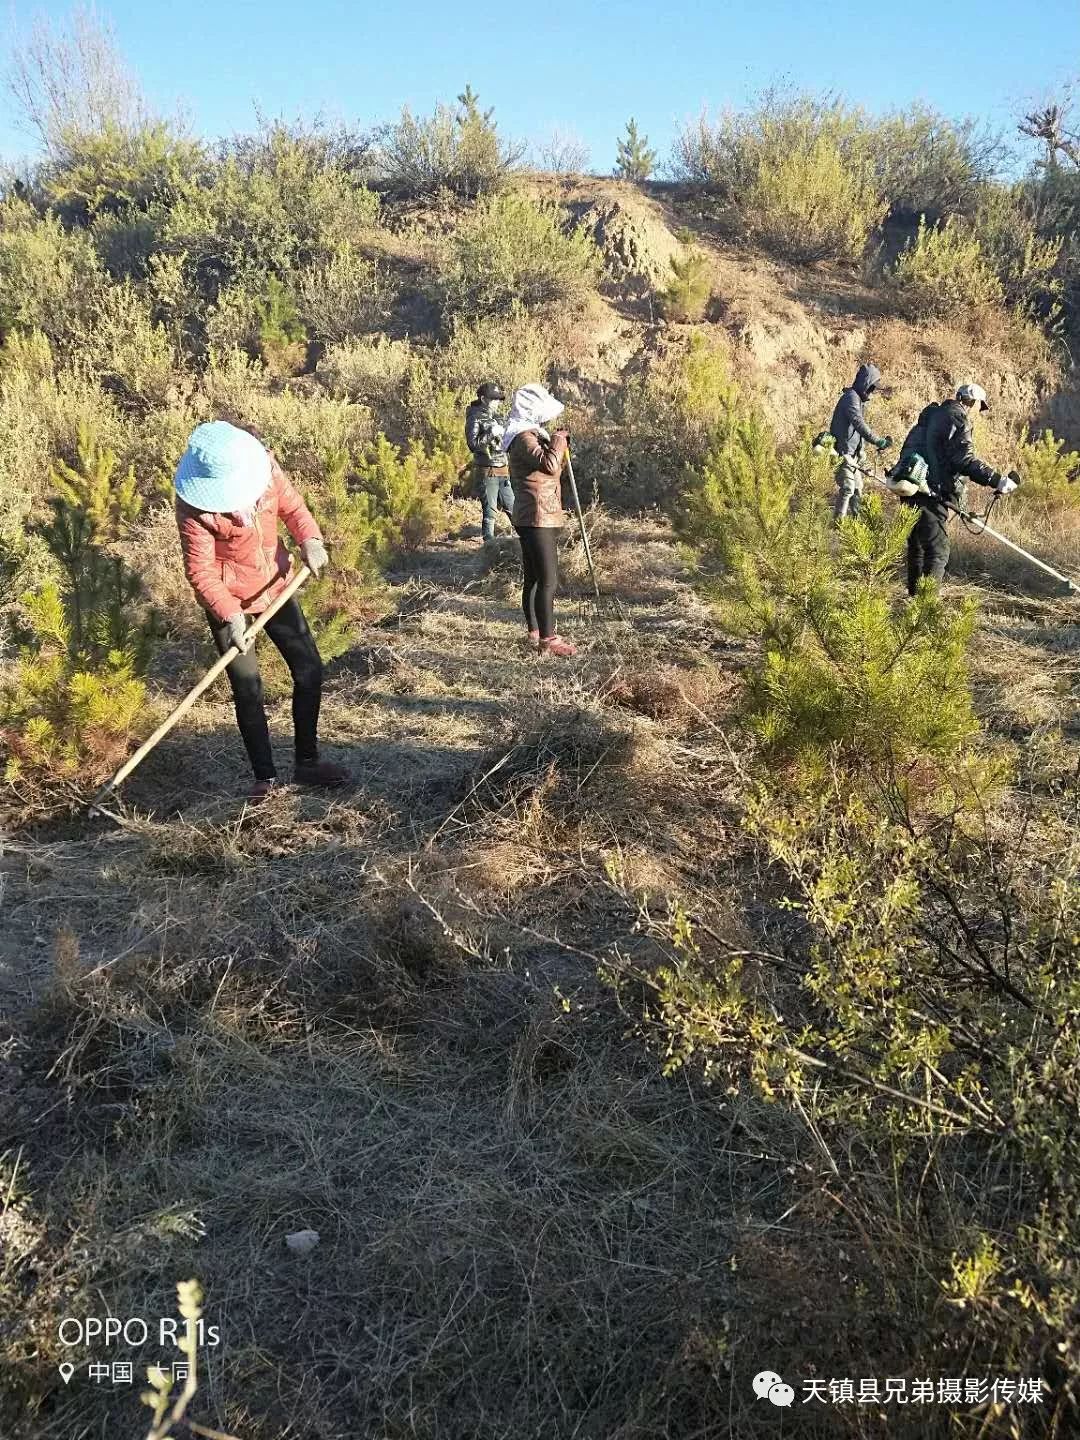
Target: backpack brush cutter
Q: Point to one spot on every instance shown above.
(908, 477)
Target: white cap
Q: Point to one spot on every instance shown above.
(975, 394)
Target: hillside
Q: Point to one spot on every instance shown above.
(427, 1018)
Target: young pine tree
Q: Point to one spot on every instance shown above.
(342, 596)
(635, 161)
(688, 292)
(74, 701)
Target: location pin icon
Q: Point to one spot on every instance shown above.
(66, 1371)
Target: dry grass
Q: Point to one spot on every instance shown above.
(380, 1018)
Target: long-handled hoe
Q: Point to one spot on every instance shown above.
(300, 578)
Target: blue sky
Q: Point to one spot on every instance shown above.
(581, 65)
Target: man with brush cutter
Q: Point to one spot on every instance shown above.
(937, 458)
(230, 495)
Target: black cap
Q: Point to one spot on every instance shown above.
(490, 390)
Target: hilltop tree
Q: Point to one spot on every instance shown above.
(72, 81)
(635, 160)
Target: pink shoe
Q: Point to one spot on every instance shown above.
(556, 645)
(533, 638)
(260, 791)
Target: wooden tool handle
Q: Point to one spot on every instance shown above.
(301, 577)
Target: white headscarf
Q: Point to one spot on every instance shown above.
(531, 408)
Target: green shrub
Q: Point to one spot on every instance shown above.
(809, 199)
(687, 294)
(300, 422)
(123, 346)
(944, 273)
(120, 169)
(343, 296)
(929, 165)
(1028, 267)
(383, 375)
(909, 1018)
(515, 250)
(912, 162)
(458, 149)
(271, 207)
(48, 276)
(665, 422)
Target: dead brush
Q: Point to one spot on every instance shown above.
(663, 693)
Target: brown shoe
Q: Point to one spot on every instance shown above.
(321, 773)
(261, 790)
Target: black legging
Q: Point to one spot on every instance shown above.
(289, 632)
(539, 547)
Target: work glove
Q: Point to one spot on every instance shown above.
(1006, 484)
(237, 632)
(884, 443)
(315, 556)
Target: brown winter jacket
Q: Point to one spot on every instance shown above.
(535, 469)
(234, 567)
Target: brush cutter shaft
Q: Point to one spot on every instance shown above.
(301, 576)
(581, 522)
(984, 529)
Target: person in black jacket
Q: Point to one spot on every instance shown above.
(942, 436)
(491, 472)
(850, 432)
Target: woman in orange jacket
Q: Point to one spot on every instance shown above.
(230, 494)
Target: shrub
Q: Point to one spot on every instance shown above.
(272, 206)
(810, 200)
(896, 1017)
(122, 346)
(120, 169)
(1027, 266)
(666, 421)
(929, 165)
(343, 296)
(300, 422)
(383, 375)
(459, 150)
(688, 292)
(563, 153)
(515, 250)
(48, 276)
(913, 162)
(944, 273)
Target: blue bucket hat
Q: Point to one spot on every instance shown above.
(223, 468)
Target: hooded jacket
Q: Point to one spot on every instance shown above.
(536, 458)
(942, 436)
(849, 428)
(483, 435)
(237, 562)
